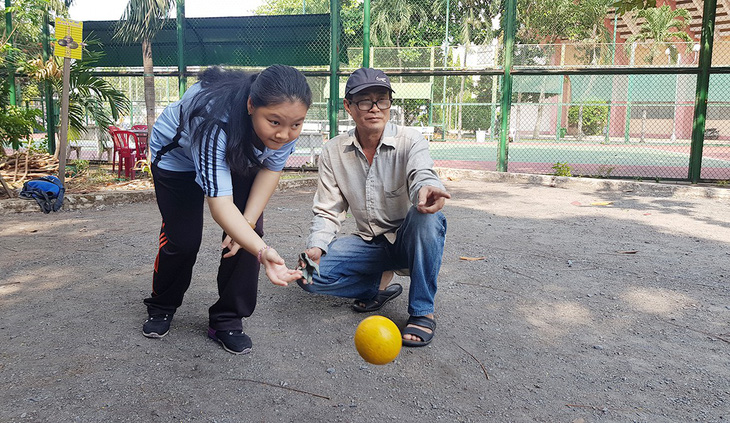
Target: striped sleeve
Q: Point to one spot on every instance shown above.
(213, 173)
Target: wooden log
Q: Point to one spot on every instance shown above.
(6, 188)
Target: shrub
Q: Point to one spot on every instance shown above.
(17, 124)
(595, 117)
(562, 169)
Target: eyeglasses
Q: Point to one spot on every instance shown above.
(365, 105)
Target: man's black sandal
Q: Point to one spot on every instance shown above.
(426, 337)
(379, 300)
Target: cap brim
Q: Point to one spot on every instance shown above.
(369, 85)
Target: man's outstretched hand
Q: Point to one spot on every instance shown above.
(309, 265)
(431, 199)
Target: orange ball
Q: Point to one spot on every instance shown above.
(378, 340)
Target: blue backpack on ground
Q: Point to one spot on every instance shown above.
(47, 191)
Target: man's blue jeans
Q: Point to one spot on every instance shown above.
(353, 267)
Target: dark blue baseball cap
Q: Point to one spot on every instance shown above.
(365, 78)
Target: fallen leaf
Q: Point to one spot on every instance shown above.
(601, 203)
(472, 258)
(576, 203)
(627, 252)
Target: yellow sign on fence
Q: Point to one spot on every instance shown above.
(69, 35)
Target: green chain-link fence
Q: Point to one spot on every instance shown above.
(596, 96)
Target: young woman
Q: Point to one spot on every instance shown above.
(226, 141)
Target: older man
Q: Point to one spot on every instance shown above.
(384, 175)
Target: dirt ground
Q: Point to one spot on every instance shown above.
(582, 305)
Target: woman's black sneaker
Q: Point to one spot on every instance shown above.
(233, 341)
(157, 326)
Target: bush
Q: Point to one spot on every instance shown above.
(562, 169)
(595, 117)
(476, 117)
(17, 124)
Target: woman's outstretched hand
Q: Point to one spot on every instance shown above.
(276, 269)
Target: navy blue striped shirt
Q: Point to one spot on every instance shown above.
(208, 157)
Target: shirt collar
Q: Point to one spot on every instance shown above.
(388, 137)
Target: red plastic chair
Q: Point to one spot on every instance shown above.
(141, 141)
(115, 153)
(127, 156)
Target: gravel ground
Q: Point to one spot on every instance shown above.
(579, 305)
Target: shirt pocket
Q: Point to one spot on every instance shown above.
(397, 192)
(395, 204)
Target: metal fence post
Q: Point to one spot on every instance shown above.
(334, 65)
(48, 88)
(182, 79)
(446, 55)
(629, 87)
(366, 34)
(509, 42)
(11, 65)
(613, 62)
(703, 82)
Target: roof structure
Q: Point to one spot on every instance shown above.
(628, 24)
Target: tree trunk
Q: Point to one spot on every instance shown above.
(536, 130)
(518, 118)
(5, 187)
(461, 94)
(643, 123)
(594, 61)
(448, 114)
(400, 80)
(460, 108)
(149, 87)
(580, 122)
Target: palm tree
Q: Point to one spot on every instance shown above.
(392, 19)
(472, 22)
(663, 26)
(141, 21)
(590, 30)
(89, 95)
(293, 7)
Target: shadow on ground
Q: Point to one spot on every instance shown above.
(578, 305)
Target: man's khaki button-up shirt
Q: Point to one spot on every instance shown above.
(377, 195)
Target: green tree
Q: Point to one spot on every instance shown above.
(27, 17)
(16, 123)
(471, 26)
(543, 21)
(594, 116)
(89, 95)
(623, 6)
(664, 27)
(587, 27)
(293, 7)
(470, 23)
(141, 21)
(391, 21)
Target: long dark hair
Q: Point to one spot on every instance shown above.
(221, 106)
